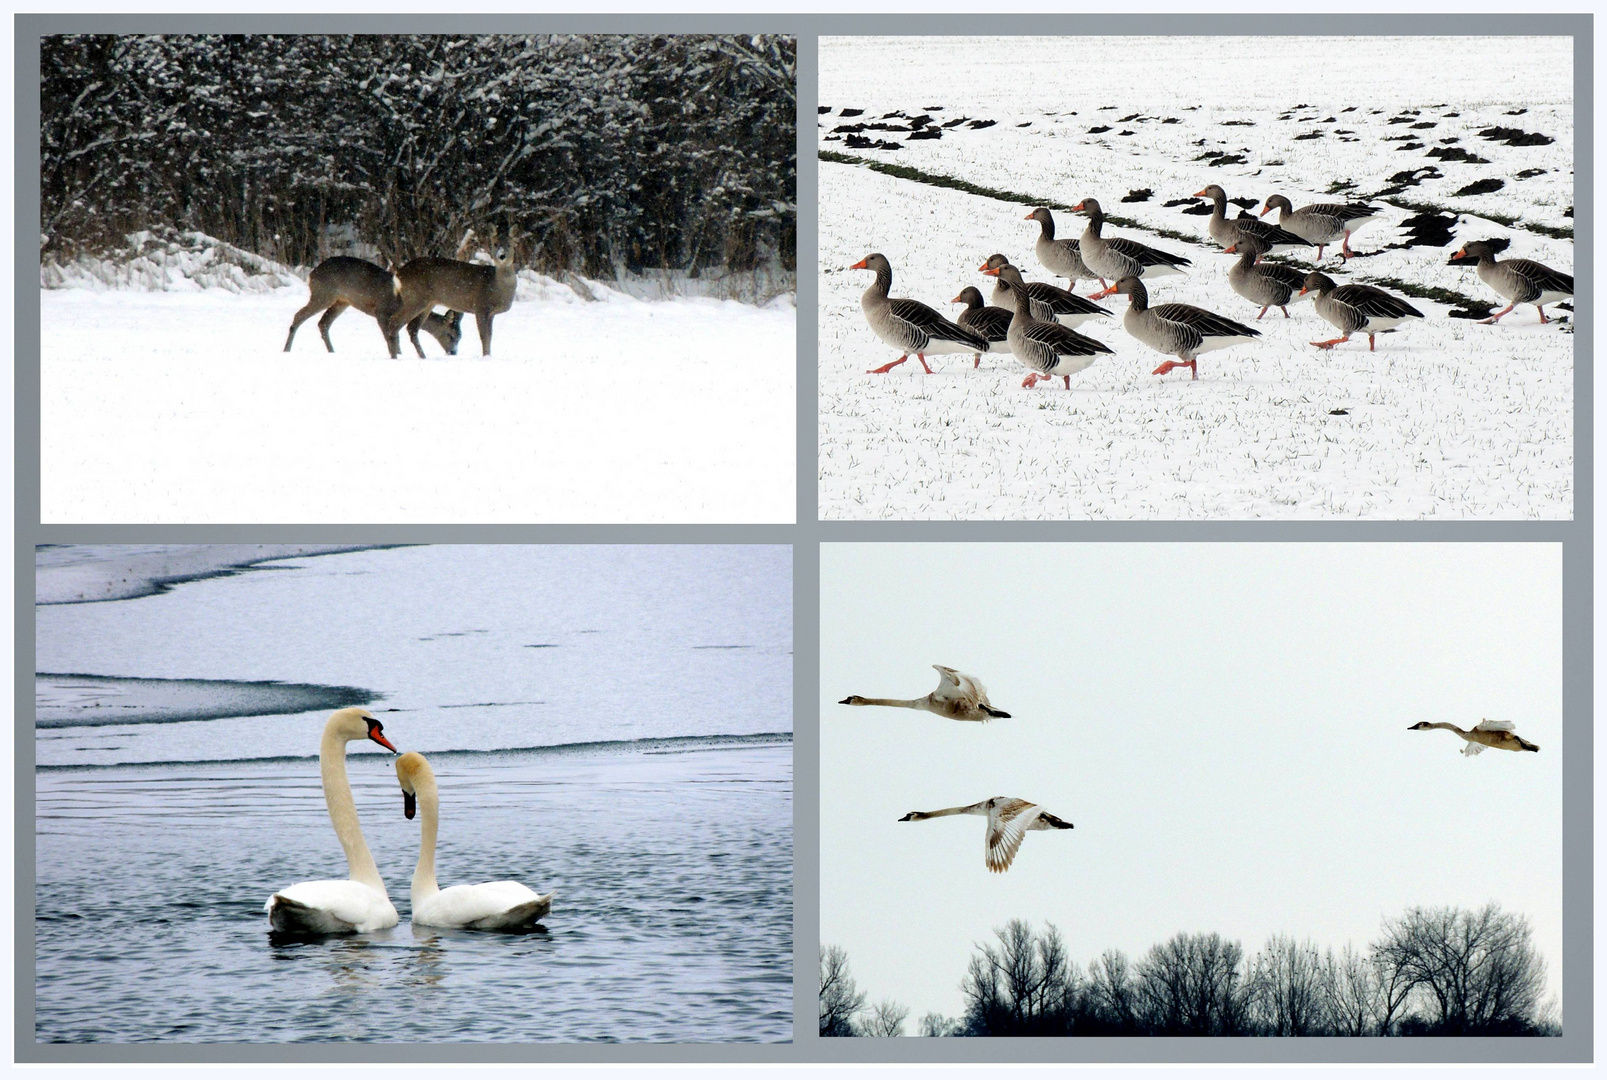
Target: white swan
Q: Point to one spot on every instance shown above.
(360, 903)
(1009, 821)
(958, 696)
(1496, 733)
(492, 905)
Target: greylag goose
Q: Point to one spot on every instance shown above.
(1009, 821)
(1117, 257)
(1060, 257)
(1267, 284)
(1356, 309)
(992, 323)
(1496, 733)
(1227, 232)
(909, 325)
(1322, 223)
(957, 697)
(1521, 281)
(1049, 349)
(1050, 303)
(1183, 330)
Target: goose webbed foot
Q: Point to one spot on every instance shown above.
(885, 368)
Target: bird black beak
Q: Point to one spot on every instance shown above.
(409, 805)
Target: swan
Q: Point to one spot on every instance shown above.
(492, 905)
(1496, 733)
(359, 903)
(958, 696)
(1009, 821)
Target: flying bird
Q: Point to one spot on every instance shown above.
(958, 696)
(1496, 733)
(1009, 821)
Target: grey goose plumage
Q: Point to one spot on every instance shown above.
(1520, 281)
(1227, 231)
(1062, 258)
(1047, 348)
(1117, 257)
(1267, 284)
(909, 325)
(992, 323)
(1181, 330)
(1322, 223)
(1050, 303)
(1356, 308)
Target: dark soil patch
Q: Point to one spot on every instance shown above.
(1171, 120)
(926, 133)
(1100, 130)
(1514, 112)
(1308, 135)
(1139, 195)
(1124, 133)
(1425, 125)
(1456, 153)
(1410, 146)
(957, 121)
(1129, 119)
(977, 125)
(1429, 228)
(1515, 136)
(852, 112)
(859, 142)
(823, 109)
(1178, 202)
(1199, 209)
(1481, 187)
(1526, 173)
(920, 121)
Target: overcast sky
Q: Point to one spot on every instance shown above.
(1225, 724)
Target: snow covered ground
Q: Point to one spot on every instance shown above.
(1448, 419)
(181, 407)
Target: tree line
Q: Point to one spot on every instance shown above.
(616, 152)
(1433, 971)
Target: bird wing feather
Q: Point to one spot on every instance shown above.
(1008, 823)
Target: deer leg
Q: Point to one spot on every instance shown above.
(329, 318)
(312, 308)
(392, 330)
(482, 321)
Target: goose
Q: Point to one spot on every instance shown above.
(1322, 223)
(910, 325)
(1356, 309)
(958, 696)
(1009, 821)
(493, 905)
(1063, 258)
(1047, 348)
(1496, 733)
(1050, 303)
(1117, 257)
(1267, 284)
(1521, 281)
(359, 903)
(1180, 329)
(1227, 233)
(992, 323)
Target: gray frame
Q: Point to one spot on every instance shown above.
(1576, 1043)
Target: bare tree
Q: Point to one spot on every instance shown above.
(1286, 988)
(840, 999)
(1476, 972)
(1194, 984)
(934, 1025)
(1110, 996)
(886, 1020)
(1025, 986)
(1353, 994)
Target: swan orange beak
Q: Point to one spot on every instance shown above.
(409, 805)
(860, 265)
(377, 733)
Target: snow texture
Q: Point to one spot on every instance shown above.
(1447, 419)
(180, 406)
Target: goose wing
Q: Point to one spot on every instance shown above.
(992, 323)
(1374, 303)
(1062, 340)
(1008, 822)
(1062, 302)
(1146, 255)
(1472, 748)
(1544, 277)
(1494, 725)
(956, 686)
(1207, 324)
(924, 320)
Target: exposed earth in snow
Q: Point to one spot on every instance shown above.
(1447, 419)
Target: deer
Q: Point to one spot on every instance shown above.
(485, 291)
(342, 282)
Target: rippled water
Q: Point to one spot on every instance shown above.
(665, 831)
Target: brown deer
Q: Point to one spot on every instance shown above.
(472, 288)
(343, 282)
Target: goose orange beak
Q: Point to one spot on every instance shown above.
(860, 265)
(956, 300)
(1231, 249)
(1076, 208)
(1302, 290)
(1461, 254)
(990, 273)
(1101, 295)
(1199, 194)
(1266, 211)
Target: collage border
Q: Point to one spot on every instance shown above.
(1575, 536)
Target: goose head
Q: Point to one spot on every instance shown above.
(413, 773)
(1041, 216)
(852, 699)
(1276, 201)
(968, 295)
(992, 266)
(1476, 249)
(354, 724)
(1089, 208)
(1318, 283)
(1421, 725)
(874, 261)
(1213, 192)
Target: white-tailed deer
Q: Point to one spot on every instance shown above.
(472, 288)
(343, 282)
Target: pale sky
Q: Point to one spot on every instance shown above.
(1225, 724)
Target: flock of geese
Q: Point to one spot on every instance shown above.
(961, 697)
(360, 903)
(1034, 320)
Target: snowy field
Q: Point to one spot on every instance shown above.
(1448, 419)
(180, 406)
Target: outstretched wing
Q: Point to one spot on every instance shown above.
(1494, 725)
(1472, 748)
(1008, 823)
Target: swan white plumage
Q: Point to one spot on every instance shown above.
(359, 903)
(958, 696)
(1497, 733)
(1009, 821)
(492, 905)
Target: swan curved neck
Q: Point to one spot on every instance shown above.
(912, 703)
(429, 805)
(343, 811)
(1447, 727)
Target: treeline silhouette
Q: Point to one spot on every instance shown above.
(609, 151)
(1433, 971)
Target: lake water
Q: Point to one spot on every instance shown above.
(609, 723)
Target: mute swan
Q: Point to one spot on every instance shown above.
(492, 905)
(958, 697)
(1009, 821)
(1496, 733)
(360, 903)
